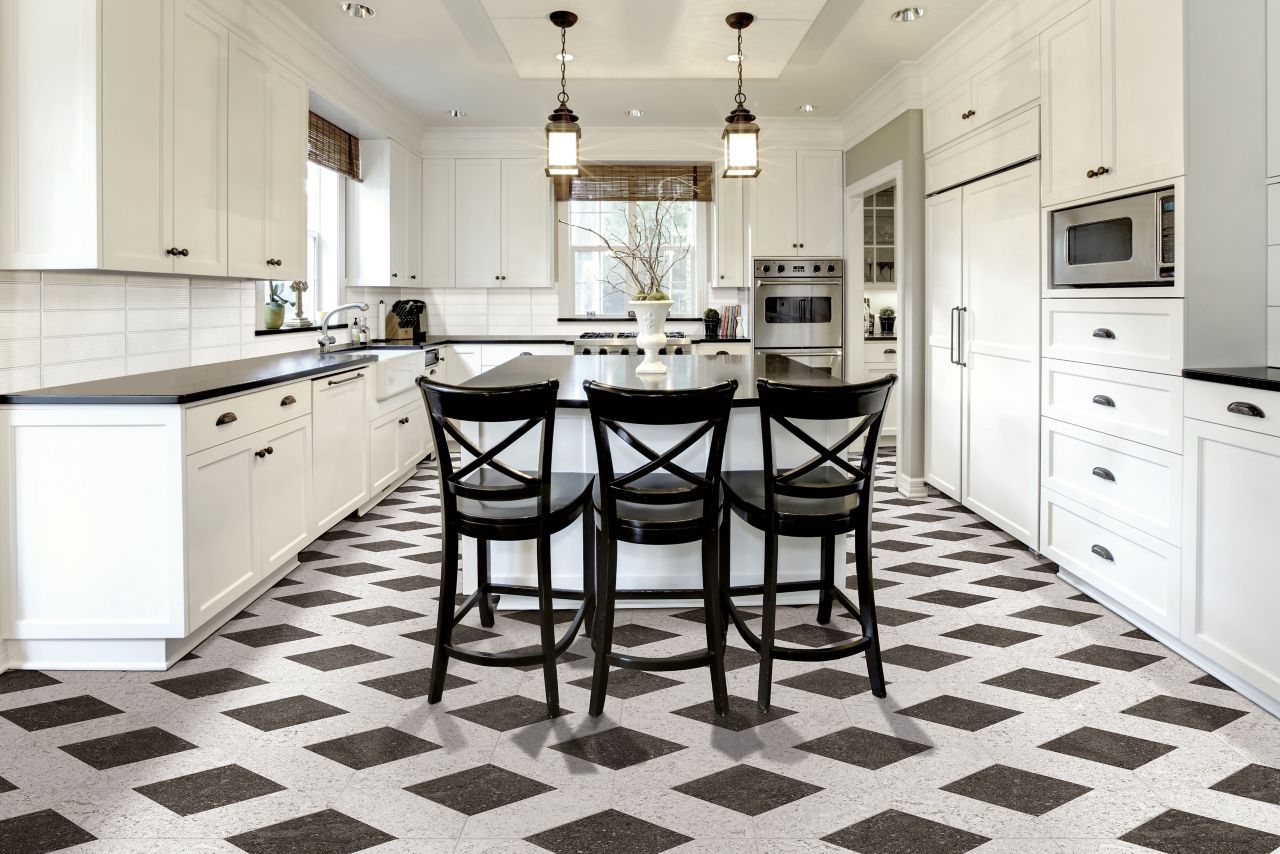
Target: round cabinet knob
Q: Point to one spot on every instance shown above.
(184, 253)
(172, 251)
(1102, 170)
(794, 245)
(395, 275)
(414, 276)
(504, 278)
(722, 276)
(495, 278)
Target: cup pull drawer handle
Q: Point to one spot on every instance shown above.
(288, 400)
(1103, 552)
(1103, 332)
(225, 418)
(890, 351)
(1103, 400)
(1242, 408)
(1105, 474)
(347, 380)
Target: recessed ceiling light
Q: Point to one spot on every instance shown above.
(807, 108)
(909, 14)
(735, 57)
(357, 10)
(456, 114)
(564, 57)
(634, 113)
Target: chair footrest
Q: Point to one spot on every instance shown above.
(512, 659)
(684, 661)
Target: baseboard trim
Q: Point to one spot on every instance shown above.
(1208, 665)
(912, 487)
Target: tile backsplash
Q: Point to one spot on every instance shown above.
(67, 327)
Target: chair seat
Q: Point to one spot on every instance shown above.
(683, 521)
(569, 494)
(797, 517)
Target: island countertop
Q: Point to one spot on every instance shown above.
(683, 372)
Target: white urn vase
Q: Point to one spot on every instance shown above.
(651, 316)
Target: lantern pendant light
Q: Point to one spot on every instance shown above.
(741, 133)
(563, 133)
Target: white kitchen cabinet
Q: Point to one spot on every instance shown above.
(1229, 579)
(982, 327)
(1273, 89)
(502, 223)
(397, 442)
(798, 206)
(413, 443)
(463, 361)
(1001, 87)
(282, 494)
(946, 116)
(267, 153)
(384, 217)
(873, 371)
(437, 223)
(113, 137)
(712, 347)
(1111, 76)
(340, 463)
(730, 268)
(220, 520)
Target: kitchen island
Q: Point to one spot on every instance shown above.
(649, 567)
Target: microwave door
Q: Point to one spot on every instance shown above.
(1111, 243)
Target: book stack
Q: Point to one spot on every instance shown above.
(729, 317)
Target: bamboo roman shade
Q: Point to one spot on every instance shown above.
(332, 147)
(639, 182)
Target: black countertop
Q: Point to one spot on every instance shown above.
(683, 372)
(1267, 379)
(189, 385)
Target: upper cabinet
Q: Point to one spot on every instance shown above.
(502, 223)
(384, 218)
(267, 156)
(1111, 77)
(437, 222)
(798, 207)
(1003, 86)
(731, 253)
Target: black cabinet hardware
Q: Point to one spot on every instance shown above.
(1103, 552)
(1104, 333)
(504, 278)
(347, 380)
(526, 353)
(1242, 408)
(395, 275)
(264, 452)
(288, 400)
(404, 420)
(951, 348)
(963, 310)
(890, 351)
(225, 418)
(1103, 400)
(175, 251)
(968, 114)
(1105, 474)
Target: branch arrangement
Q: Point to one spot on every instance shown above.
(642, 263)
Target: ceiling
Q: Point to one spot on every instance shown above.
(495, 59)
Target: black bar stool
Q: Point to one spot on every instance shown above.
(823, 497)
(660, 502)
(490, 500)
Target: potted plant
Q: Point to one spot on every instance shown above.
(644, 261)
(273, 309)
(887, 318)
(711, 321)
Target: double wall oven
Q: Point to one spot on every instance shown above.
(799, 310)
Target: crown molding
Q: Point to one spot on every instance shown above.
(895, 93)
(992, 31)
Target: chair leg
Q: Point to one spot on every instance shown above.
(711, 569)
(768, 620)
(589, 571)
(483, 604)
(547, 626)
(867, 605)
(606, 589)
(828, 579)
(723, 572)
(444, 616)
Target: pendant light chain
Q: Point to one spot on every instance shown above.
(563, 97)
(740, 98)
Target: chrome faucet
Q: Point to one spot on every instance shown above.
(327, 340)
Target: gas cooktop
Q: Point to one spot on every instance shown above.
(624, 344)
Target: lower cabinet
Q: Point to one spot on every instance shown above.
(340, 466)
(247, 513)
(397, 442)
(1230, 584)
(878, 371)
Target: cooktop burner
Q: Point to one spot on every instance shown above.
(623, 344)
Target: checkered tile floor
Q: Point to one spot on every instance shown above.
(1021, 717)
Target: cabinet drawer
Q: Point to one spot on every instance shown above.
(1137, 570)
(212, 424)
(1141, 334)
(1231, 404)
(880, 352)
(1132, 483)
(1138, 406)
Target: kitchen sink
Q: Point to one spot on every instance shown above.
(396, 371)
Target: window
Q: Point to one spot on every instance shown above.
(325, 189)
(592, 277)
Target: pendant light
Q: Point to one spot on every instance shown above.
(563, 133)
(741, 133)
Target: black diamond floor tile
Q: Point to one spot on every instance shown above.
(1178, 832)
(922, 570)
(209, 683)
(1185, 713)
(337, 657)
(748, 790)
(952, 598)
(324, 832)
(24, 680)
(958, 712)
(480, 789)
(1040, 682)
(633, 634)
(310, 556)
(920, 657)
(1208, 681)
(55, 713)
(1015, 789)
(899, 545)
(894, 832)
(743, 714)
(270, 635)
(280, 714)
(461, 635)
(863, 747)
(382, 545)
(990, 635)
(1257, 782)
(379, 616)
(126, 748)
(618, 747)
(609, 830)
(41, 832)
(316, 598)
(351, 570)
(970, 556)
(1016, 583)
(1112, 657)
(408, 583)
(507, 713)
(565, 657)
(893, 617)
(812, 635)
(948, 536)
(1109, 748)
(6, 786)
(373, 747)
(208, 790)
(413, 684)
(828, 682)
(1055, 616)
(625, 684)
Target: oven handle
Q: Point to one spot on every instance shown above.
(764, 283)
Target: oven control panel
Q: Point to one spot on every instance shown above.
(799, 268)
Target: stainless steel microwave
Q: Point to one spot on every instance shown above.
(1125, 242)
